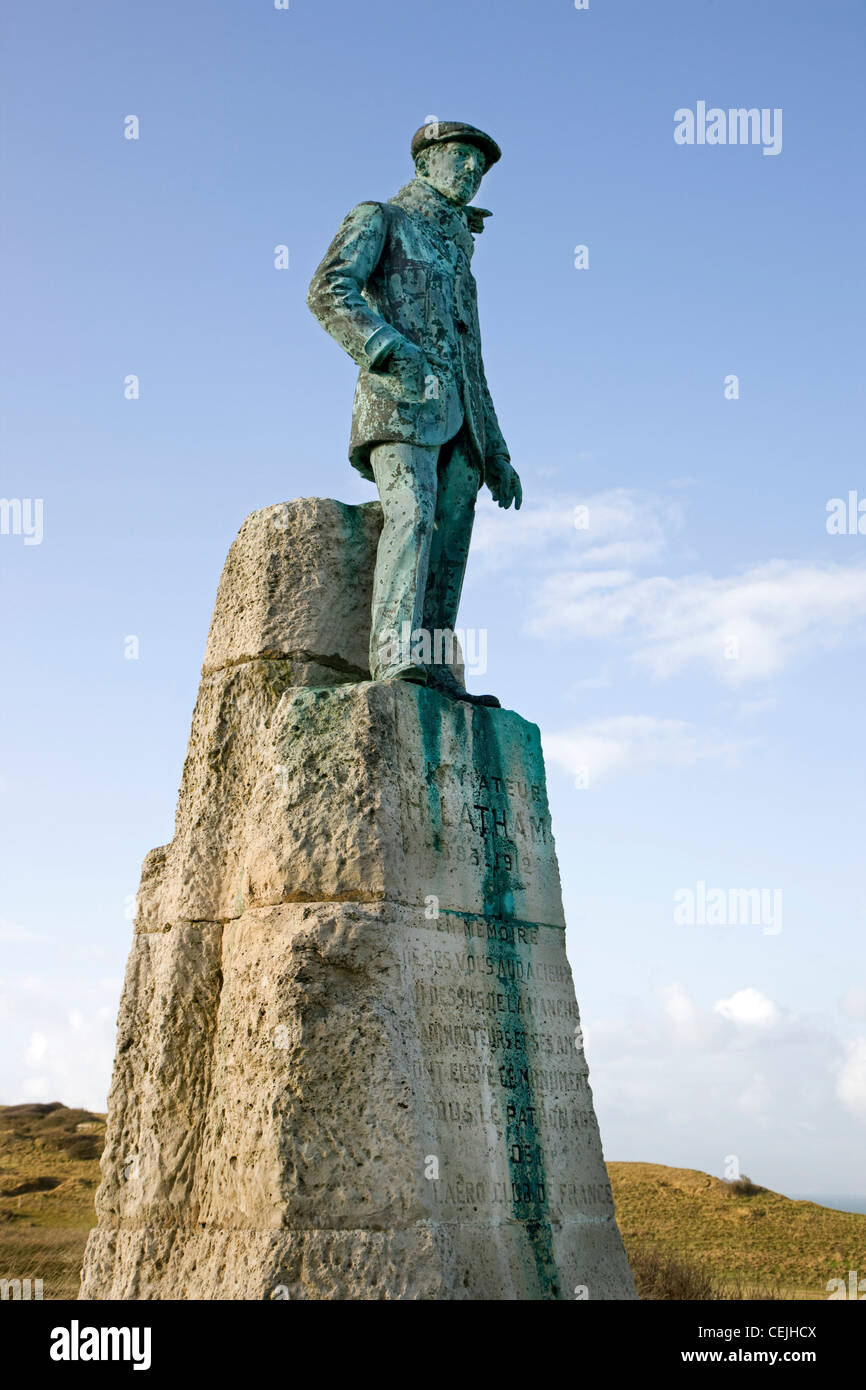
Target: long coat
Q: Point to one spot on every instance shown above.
(400, 270)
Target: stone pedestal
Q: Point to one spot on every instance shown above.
(348, 1062)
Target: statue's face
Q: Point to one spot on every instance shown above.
(455, 170)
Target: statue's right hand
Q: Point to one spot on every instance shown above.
(407, 363)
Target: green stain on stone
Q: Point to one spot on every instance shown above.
(530, 1203)
(479, 737)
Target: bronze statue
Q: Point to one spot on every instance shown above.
(397, 293)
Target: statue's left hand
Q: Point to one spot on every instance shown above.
(503, 482)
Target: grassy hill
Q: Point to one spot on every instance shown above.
(49, 1172)
(740, 1240)
(688, 1235)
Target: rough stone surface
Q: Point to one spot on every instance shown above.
(348, 1058)
(297, 584)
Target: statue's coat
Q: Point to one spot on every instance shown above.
(400, 270)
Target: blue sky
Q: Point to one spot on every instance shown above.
(707, 516)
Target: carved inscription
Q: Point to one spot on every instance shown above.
(485, 833)
(510, 1109)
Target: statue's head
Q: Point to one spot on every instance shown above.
(453, 158)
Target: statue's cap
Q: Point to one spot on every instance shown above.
(437, 132)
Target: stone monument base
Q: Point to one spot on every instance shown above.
(349, 1062)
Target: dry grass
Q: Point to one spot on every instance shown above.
(49, 1171)
(685, 1229)
(681, 1278)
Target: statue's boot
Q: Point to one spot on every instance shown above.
(443, 679)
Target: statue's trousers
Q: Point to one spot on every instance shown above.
(428, 499)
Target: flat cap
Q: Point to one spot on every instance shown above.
(437, 132)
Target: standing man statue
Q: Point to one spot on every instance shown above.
(397, 293)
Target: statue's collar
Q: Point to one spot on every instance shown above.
(455, 222)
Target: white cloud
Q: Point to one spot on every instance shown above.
(616, 527)
(10, 931)
(854, 1003)
(851, 1081)
(600, 681)
(38, 1088)
(750, 1008)
(684, 1084)
(632, 743)
(749, 709)
(755, 1099)
(686, 1024)
(58, 1039)
(37, 1049)
(745, 627)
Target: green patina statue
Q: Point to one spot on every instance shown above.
(397, 293)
